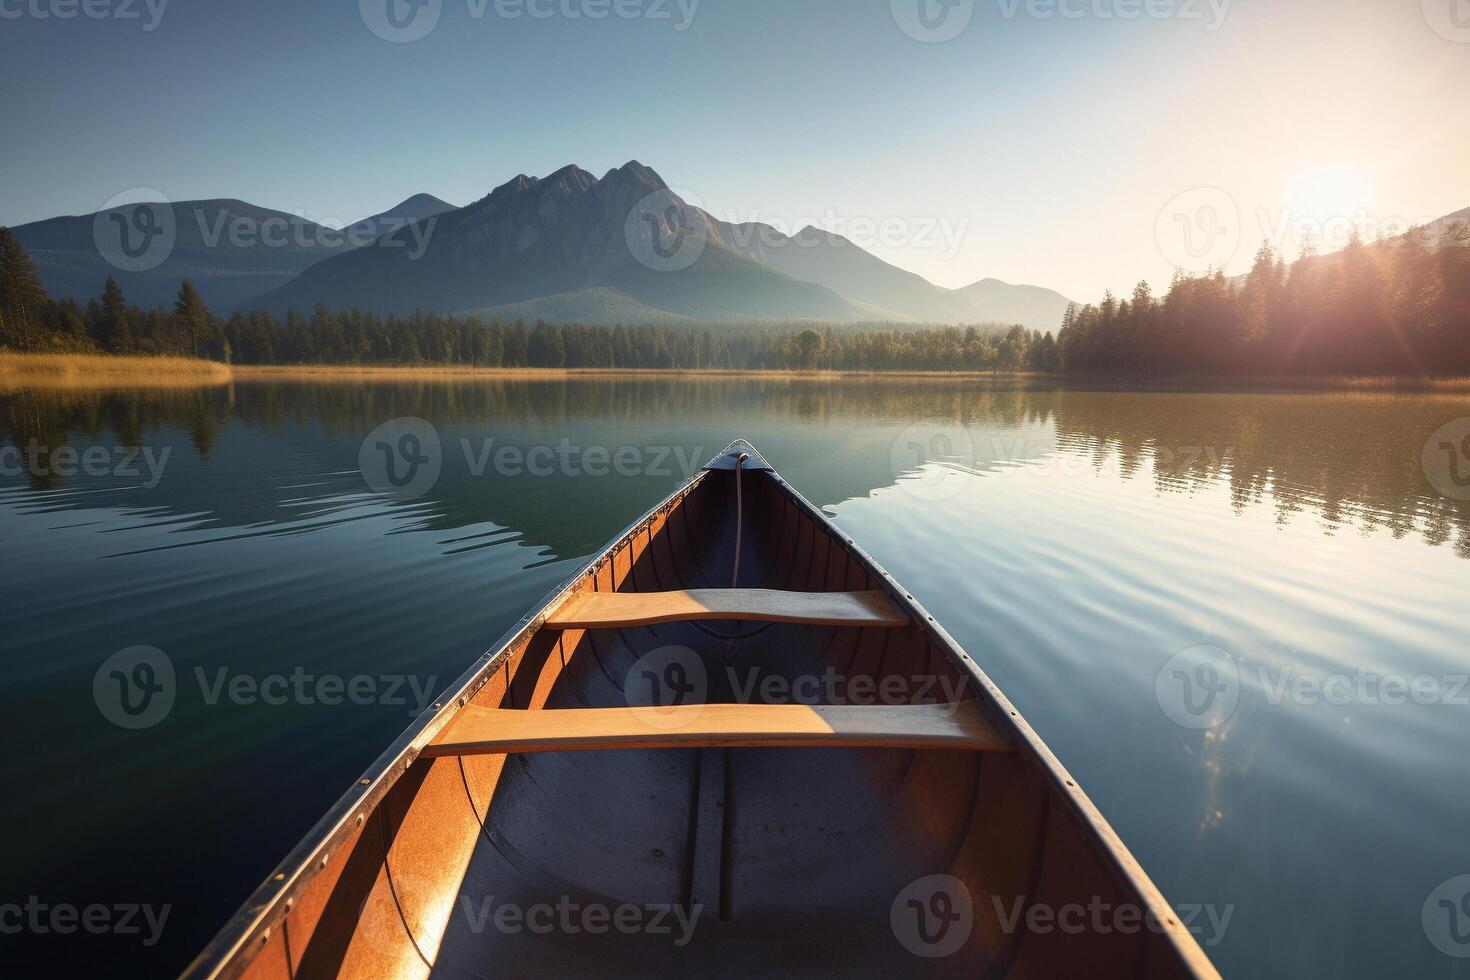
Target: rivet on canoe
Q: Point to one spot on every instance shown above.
(365, 782)
(280, 876)
(359, 819)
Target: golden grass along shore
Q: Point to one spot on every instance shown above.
(82, 371)
(108, 371)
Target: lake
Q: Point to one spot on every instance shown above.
(1088, 547)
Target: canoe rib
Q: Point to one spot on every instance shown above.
(488, 731)
(615, 610)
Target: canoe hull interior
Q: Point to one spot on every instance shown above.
(715, 861)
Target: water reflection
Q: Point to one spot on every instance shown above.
(1347, 460)
(1072, 540)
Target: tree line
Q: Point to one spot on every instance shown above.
(1395, 307)
(32, 321)
(1400, 307)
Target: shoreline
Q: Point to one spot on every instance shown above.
(101, 371)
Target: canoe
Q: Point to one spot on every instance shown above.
(731, 744)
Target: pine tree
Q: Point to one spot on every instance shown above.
(114, 328)
(23, 301)
(191, 317)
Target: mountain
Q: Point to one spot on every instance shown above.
(420, 207)
(620, 249)
(626, 237)
(1438, 228)
(1037, 307)
(840, 265)
(229, 249)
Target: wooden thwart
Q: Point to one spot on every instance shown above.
(489, 731)
(608, 610)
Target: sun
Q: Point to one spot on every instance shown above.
(1325, 193)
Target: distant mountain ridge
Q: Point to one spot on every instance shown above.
(623, 248)
(571, 246)
(229, 249)
(420, 207)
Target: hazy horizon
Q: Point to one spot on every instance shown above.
(1072, 150)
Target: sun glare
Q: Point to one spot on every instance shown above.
(1329, 192)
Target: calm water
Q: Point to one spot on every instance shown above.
(1073, 541)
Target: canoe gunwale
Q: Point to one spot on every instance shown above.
(227, 955)
(254, 922)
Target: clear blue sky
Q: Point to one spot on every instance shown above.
(1046, 147)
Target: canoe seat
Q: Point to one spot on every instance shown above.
(609, 610)
(490, 731)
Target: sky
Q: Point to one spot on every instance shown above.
(1081, 145)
